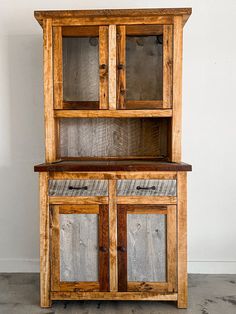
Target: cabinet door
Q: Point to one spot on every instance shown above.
(79, 246)
(80, 67)
(147, 248)
(144, 66)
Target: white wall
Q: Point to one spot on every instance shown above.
(209, 128)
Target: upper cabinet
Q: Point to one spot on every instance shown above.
(113, 67)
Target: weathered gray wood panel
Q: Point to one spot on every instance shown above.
(144, 68)
(146, 247)
(80, 69)
(134, 187)
(79, 247)
(65, 188)
(113, 137)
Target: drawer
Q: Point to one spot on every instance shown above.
(146, 187)
(78, 188)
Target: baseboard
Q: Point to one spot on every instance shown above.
(212, 267)
(18, 265)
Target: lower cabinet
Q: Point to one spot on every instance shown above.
(80, 247)
(146, 248)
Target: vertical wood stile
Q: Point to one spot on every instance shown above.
(50, 123)
(122, 248)
(103, 243)
(55, 245)
(112, 67)
(103, 67)
(121, 60)
(113, 235)
(57, 67)
(171, 247)
(44, 241)
(167, 65)
(177, 89)
(182, 239)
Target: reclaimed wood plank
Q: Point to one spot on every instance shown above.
(103, 66)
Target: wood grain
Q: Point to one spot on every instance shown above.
(79, 247)
(112, 67)
(104, 248)
(182, 240)
(118, 165)
(167, 66)
(112, 113)
(55, 248)
(177, 89)
(113, 236)
(112, 137)
(57, 68)
(121, 66)
(81, 69)
(45, 275)
(160, 200)
(78, 188)
(147, 286)
(78, 200)
(146, 246)
(145, 296)
(103, 67)
(171, 248)
(112, 175)
(49, 120)
(140, 187)
(122, 248)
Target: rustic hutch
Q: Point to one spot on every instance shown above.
(113, 186)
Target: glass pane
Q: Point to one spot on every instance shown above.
(80, 69)
(79, 247)
(146, 247)
(144, 69)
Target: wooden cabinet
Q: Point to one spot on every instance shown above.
(113, 213)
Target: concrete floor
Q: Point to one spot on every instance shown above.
(208, 294)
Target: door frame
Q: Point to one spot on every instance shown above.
(103, 244)
(171, 252)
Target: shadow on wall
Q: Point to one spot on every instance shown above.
(23, 146)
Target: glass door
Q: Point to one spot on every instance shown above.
(80, 67)
(80, 248)
(147, 248)
(144, 66)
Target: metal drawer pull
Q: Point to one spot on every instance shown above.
(146, 188)
(77, 188)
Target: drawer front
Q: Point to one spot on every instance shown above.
(78, 188)
(146, 187)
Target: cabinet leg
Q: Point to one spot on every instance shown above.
(182, 240)
(44, 242)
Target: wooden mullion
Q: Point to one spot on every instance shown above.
(182, 285)
(103, 248)
(122, 249)
(112, 67)
(55, 248)
(103, 66)
(177, 89)
(57, 68)
(113, 235)
(121, 65)
(167, 66)
(171, 248)
(45, 270)
(50, 121)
